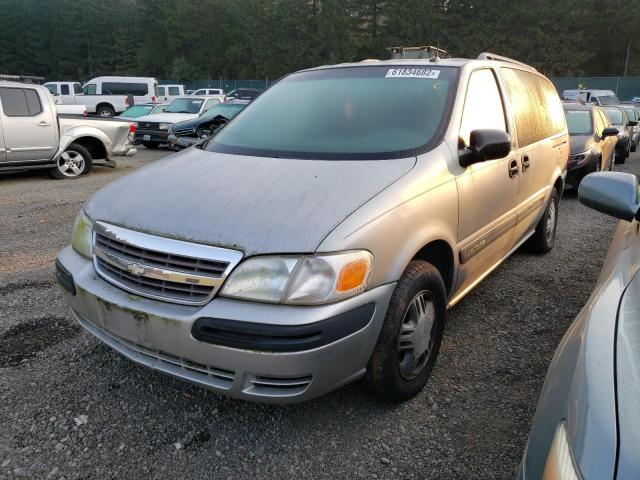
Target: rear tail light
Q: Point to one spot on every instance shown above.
(153, 99)
(126, 102)
(132, 128)
(85, 114)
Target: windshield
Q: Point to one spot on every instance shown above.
(615, 115)
(344, 113)
(608, 99)
(578, 122)
(226, 110)
(137, 111)
(184, 105)
(159, 108)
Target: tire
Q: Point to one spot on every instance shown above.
(634, 147)
(151, 145)
(544, 238)
(74, 162)
(419, 300)
(105, 111)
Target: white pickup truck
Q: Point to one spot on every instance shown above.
(106, 96)
(34, 136)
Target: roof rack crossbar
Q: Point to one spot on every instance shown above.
(493, 56)
(426, 52)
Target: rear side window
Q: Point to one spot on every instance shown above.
(482, 106)
(64, 89)
(174, 91)
(137, 89)
(161, 91)
(536, 105)
(19, 102)
(114, 88)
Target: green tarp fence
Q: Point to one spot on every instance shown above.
(226, 84)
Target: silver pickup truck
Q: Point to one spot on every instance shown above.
(34, 136)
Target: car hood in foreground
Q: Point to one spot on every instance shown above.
(628, 381)
(167, 117)
(254, 204)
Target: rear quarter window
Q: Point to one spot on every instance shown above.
(536, 105)
(114, 88)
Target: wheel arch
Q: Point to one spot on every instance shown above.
(440, 254)
(95, 141)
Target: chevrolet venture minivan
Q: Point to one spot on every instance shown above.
(322, 234)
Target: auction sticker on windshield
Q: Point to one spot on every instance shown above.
(412, 73)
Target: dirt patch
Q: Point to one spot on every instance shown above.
(26, 340)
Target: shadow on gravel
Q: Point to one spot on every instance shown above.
(26, 340)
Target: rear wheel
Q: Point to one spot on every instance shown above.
(410, 338)
(74, 162)
(544, 238)
(105, 111)
(151, 145)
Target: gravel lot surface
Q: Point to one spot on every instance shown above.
(72, 408)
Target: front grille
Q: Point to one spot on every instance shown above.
(185, 132)
(161, 268)
(148, 126)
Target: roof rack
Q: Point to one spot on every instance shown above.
(22, 78)
(493, 56)
(427, 52)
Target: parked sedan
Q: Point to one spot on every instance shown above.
(587, 424)
(137, 111)
(620, 120)
(633, 114)
(190, 132)
(592, 141)
(244, 93)
(153, 130)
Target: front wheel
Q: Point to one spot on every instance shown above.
(410, 338)
(544, 238)
(74, 162)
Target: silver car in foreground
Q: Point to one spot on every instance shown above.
(587, 424)
(322, 234)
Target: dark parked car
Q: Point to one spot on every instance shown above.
(244, 93)
(633, 112)
(187, 133)
(620, 120)
(592, 140)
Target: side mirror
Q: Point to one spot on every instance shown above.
(485, 144)
(610, 132)
(632, 123)
(613, 193)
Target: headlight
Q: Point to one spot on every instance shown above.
(82, 235)
(164, 126)
(170, 129)
(560, 463)
(307, 280)
(581, 158)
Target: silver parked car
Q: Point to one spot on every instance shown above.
(587, 424)
(322, 234)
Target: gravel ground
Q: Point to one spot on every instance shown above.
(72, 408)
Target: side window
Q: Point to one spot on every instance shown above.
(199, 92)
(483, 105)
(537, 108)
(19, 102)
(89, 89)
(64, 89)
(139, 89)
(174, 91)
(114, 88)
(77, 88)
(53, 88)
(161, 91)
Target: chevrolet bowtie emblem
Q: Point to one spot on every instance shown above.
(135, 269)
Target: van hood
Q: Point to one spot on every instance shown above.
(167, 117)
(254, 204)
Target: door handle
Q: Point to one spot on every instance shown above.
(43, 124)
(525, 163)
(513, 168)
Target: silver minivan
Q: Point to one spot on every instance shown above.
(322, 234)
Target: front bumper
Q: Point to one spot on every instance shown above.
(156, 136)
(182, 142)
(160, 335)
